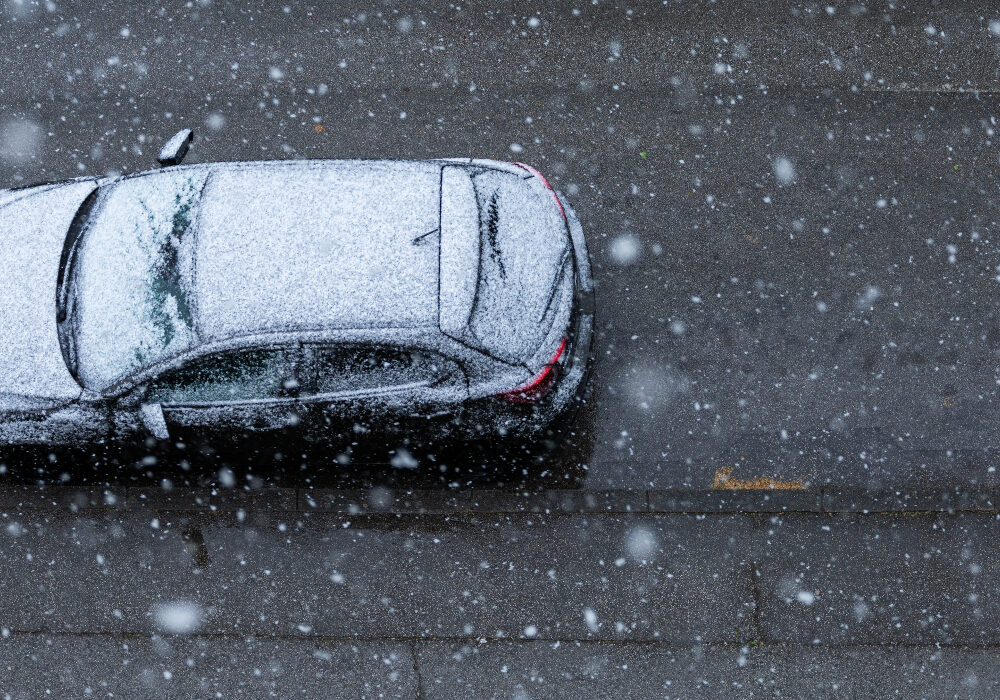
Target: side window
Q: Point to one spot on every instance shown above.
(234, 376)
(359, 367)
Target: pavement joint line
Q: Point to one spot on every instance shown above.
(415, 641)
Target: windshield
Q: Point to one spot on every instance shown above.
(129, 279)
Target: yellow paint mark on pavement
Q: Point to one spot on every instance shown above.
(724, 480)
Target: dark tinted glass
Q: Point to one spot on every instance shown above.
(242, 376)
(355, 368)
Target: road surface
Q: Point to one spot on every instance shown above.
(790, 209)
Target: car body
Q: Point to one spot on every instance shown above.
(327, 297)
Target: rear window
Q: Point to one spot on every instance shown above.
(523, 246)
(361, 368)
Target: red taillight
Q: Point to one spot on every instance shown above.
(545, 182)
(540, 384)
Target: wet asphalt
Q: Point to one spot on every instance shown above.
(790, 211)
(789, 218)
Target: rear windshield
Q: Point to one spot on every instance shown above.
(523, 246)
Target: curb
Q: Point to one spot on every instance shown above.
(383, 500)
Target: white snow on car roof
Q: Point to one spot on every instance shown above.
(32, 230)
(302, 245)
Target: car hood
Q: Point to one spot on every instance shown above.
(32, 230)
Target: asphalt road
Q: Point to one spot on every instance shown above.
(790, 217)
(789, 207)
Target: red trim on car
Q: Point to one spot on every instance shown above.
(545, 182)
(540, 385)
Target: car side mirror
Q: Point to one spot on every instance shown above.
(152, 418)
(175, 148)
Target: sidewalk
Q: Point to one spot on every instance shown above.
(69, 666)
(571, 602)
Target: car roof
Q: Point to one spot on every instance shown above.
(317, 244)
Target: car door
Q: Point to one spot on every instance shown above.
(227, 394)
(351, 391)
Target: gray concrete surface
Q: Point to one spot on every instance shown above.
(536, 670)
(182, 668)
(36, 665)
(137, 600)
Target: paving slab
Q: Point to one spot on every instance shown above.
(382, 499)
(878, 579)
(908, 578)
(759, 500)
(95, 572)
(60, 666)
(908, 500)
(559, 501)
(577, 671)
(494, 576)
(585, 576)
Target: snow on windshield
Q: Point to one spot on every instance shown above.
(133, 278)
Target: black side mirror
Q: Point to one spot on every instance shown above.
(175, 148)
(153, 419)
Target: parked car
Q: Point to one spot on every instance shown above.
(446, 297)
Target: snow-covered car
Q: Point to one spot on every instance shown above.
(440, 297)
